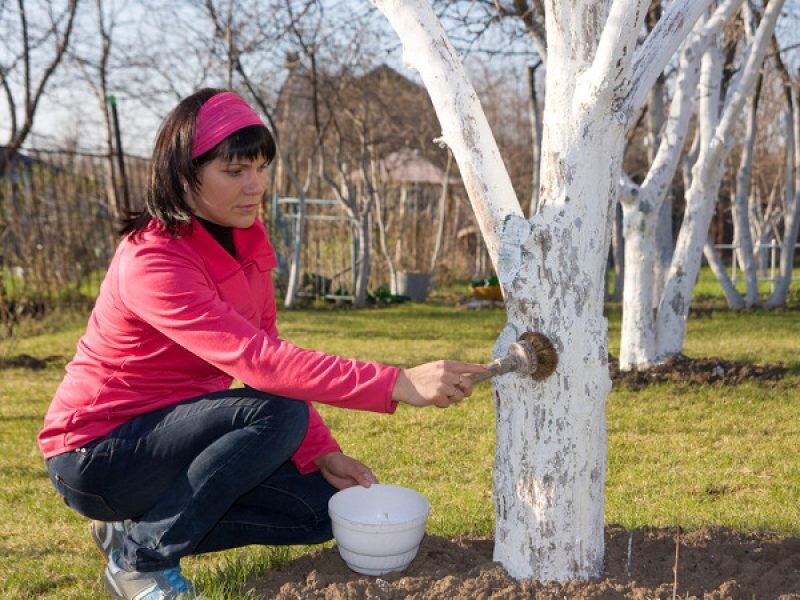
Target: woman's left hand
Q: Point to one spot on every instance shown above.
(341, 471)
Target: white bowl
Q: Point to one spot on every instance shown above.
(378, 529)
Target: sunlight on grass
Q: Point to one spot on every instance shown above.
(693, 455)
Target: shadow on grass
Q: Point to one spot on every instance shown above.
(26, 361)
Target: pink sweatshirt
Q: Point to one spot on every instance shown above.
(177, 318)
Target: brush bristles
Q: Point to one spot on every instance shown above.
(546, 355)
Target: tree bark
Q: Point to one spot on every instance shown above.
(673, 309)
(536, 139)
(732, 296)
(791, 225)
(743, 242)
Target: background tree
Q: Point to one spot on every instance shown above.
(716, 126)
(35, 37)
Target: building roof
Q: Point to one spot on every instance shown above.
(407, 166)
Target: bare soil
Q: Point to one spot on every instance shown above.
(713, 564)
(683, 369)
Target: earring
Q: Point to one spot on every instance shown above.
(185, 188)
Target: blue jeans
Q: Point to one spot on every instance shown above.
(206, 474)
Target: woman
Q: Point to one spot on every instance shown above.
(144, 435)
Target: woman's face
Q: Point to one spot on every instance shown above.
(230, 192)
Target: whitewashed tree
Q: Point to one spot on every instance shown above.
(551, 436)
(716, 122)
(642, 204)
(791, 196)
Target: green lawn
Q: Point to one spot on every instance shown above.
(677, 453)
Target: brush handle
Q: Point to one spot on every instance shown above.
(520, 358)
(498, 366)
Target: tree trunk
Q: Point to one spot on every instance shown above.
(536, 139)
(437, 246)
(673, 309)
(362, 260)
(743, 242)
(618, 253)
(637, 340)
(791, 224)
(382, 239)
(732, 296)
(551, 435)
(656, 121)
(642, 205)
(298, 243)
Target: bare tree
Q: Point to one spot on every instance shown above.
(33, 51)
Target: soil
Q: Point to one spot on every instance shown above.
(713, 564)
(682, 369)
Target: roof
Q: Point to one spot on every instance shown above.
(407, 166)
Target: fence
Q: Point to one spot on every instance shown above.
(329, 253)
(58, 219)
(767, 261)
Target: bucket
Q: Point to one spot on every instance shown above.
(416, 286)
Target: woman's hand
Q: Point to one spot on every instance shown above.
(441, 383)
(341, 471)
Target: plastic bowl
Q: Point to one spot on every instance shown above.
(378, 529)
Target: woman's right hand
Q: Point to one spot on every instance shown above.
(441, 383)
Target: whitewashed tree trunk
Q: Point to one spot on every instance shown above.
(743, 242)
(442, 215)
(551, 436)
(637, 341)
(380, 209)
(298, 242)
(656, 120)
(299, 238)
(642, 205)
(791, 224)
(732, 296)
(702, 195)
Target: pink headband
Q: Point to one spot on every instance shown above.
(221, 115)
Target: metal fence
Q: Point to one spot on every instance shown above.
(767, 261)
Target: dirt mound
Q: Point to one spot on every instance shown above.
(712, 563)
(682, 369)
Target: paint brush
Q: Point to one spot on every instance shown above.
(532, 354)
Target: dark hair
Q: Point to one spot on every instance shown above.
(172, 164)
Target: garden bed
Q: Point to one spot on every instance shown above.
(712, 563)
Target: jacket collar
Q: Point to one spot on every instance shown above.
(252, 245)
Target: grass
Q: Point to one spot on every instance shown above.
(677, 453)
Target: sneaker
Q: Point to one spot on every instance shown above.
(108, 537)
(168, 584)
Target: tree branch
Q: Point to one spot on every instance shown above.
(615, 50)
(675, 23)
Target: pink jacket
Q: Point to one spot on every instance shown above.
(180, 317)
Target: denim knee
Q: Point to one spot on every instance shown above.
(291, 415)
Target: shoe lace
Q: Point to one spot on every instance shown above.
(176, 580)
